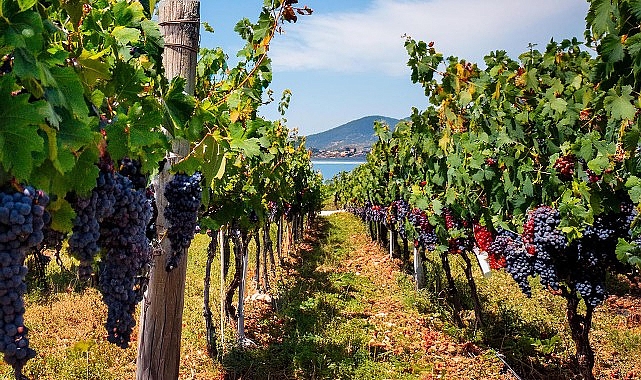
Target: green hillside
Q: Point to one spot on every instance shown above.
(357, 134)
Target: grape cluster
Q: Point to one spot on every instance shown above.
(483, 236)
(127, 253)
(426, 237)
(183, 195)
(90, 211)
(592, 176)
(518, 262)
(595, 253)
(22, 218)
(547, 243)
(456, 245)
(132, 169)
(450, 220)
(544, 251)
(272, 211)
(564, 165)
(401, 210)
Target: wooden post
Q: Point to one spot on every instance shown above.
(162, 309)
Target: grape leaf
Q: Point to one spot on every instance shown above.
(62, 215)
(599, 164)
(93, 68)
(620, 106)
(599, 17)
(628, 252)
(26, 4)
(612, 49)
(179, 106)
(67, 91)
(124, 35)
(633, 184)
(19, 137)
(24, 31)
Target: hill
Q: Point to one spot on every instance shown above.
(356, 134)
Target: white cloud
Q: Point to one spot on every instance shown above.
(371, 40)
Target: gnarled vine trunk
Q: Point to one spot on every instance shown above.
(580, 328)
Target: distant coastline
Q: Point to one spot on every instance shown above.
(329, 167)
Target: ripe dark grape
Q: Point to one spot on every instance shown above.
(127, 254)
(564, 165)
(22, 218)
(90, 211)
(132, 169)
(450, 220)
(183, 195)
(593, 177)
(272, 211)
(547, 244)
(426, 237)
(518, 262)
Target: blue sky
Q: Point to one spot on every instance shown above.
(347, 60)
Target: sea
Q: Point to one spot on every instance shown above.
(330, 167)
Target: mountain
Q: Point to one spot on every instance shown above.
(357, 134)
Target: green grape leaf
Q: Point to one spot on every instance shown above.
(118, 138)
(67, 92)
(599, 164)
(612, 49)
(143, 125)
(149, 6)
(26, 4)
(25, 30)
(633, 44)
(179, 107)
(19, 137)
(599, 17)
(125, 36)
(82, 178)
(93, 68)
(620, 107)
(62, 215)
(628, 253)
(250, 147)
(633, 184)
(128, 13)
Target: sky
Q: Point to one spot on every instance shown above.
(347, 59)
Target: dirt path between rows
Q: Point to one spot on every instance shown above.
(403, 342)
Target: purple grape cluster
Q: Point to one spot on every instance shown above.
(22, 218)
(549, 245)
(595, 253)
(90, 211)
(400, 209)
(519, 263)
(272, 211)
(127, 253)
(132, 169)
(183, 195)
(425, 234)
(544, 251)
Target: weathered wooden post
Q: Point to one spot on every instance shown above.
(162, 308)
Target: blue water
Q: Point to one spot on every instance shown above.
(329, 168)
